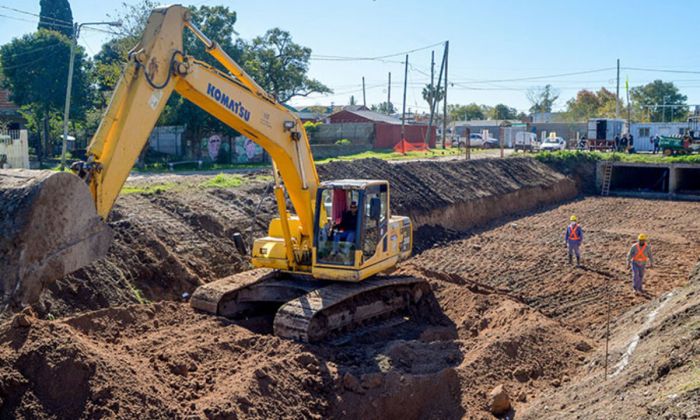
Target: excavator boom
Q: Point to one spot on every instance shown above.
(303, 247)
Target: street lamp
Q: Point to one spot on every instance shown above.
(66, 109)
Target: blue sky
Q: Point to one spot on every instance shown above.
(491, 43)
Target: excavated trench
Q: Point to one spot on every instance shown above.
(640, 179)
(688, 181)
(471, 336)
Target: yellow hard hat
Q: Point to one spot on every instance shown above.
(642, 237)
(573, 218)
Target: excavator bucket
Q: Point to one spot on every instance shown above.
(48, 228)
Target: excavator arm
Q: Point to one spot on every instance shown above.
(158, 66)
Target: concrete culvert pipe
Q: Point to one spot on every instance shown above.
(48, 228)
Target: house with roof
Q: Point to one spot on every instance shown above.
(9, 112)
(385, 129)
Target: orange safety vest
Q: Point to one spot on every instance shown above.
(640, 257)
(573, 236)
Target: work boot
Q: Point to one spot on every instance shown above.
(578, 262)
(570, 259)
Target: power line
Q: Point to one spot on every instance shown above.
(70, 24)
(342, 58)
(20, 65)
(59, 25)
(660, 70)
(549, 76)
(45, 47)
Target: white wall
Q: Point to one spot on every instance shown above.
(643, 143)
(14, 145)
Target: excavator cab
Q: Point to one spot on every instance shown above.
(352, 230)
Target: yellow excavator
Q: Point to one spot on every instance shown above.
(318, 267)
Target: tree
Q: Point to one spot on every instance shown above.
(35, 68)
(55, 15)
(504, 112)
(542, 98)
(384, 107)
(465, 112)
(433, 94)
(650, 97)
(215, 21)
(588, 104)
(280, 66)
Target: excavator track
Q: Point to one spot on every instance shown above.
(344, 306)
(310, 310)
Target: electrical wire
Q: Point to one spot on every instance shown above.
(660, 70)
(32, 51)
(65, 22)
(29, 63)
(322, 57)
(35, 21)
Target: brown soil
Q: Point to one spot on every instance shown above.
(662, 377)
(506, 309)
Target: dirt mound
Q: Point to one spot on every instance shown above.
(160, 361)
(164, 360)
(423, 187)
(166, 244)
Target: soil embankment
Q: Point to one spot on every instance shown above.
(169, 242)
(506, 308)
(653, 365)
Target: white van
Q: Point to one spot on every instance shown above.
(526, 141)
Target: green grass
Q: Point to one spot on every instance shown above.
(389, 154)
(576, 155)
(148, 189)
(138, 295)
(223, 181)
(264, 178)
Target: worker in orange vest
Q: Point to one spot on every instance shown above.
(574, 237)
(637, 258)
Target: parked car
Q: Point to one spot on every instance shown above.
(491, 143)
(526, 141)
(552, 144)
(475, 140)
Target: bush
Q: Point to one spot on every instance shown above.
(343, 142)
(311, 127)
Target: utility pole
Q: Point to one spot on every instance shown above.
(434, 103)
(617, 92)
(432, 97)
(364, 98)
(69, 84)
(403, 112)
(444, 107)
(388, 97)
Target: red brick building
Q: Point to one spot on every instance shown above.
(387, 129)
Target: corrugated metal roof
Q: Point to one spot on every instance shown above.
(376, 116)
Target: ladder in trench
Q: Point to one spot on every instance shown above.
(607, 178)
